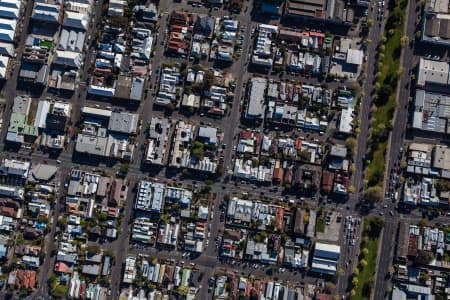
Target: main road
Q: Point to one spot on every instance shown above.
(374, 35)
(396, 142)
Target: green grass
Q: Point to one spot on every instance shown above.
(320, 220)
(366, 276)
(47, 44)
(388, 77)
(320, 225)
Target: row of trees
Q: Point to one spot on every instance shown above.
(388, 75)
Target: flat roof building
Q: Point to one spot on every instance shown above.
(46, 12)
(431, 112)
(256, 102)
(94, 145)
(150, 196)
(158, 144)
(333, 11)
(436, 23)
(345, 121)
(433, 75)
(123, 122)
(325, 259)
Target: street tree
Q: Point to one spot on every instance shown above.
(373, 194)
(365, 251)
(404, 41)
(351, 144)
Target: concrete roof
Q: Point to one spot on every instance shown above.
(123, 122)
(431, 111)
(431, 71)
(209, 133)
(256, 105)
(43, 172)
(355, 56)
(21, 105)
(68, 58)
(91, 144)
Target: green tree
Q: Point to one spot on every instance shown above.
(424, 257)
(351, 144)
(93, 249)
(124, 168)
(363, 263)
(330, 287)
(170, 107)
(60, 291)
(103, 217)
(373, 194)
(365, 251)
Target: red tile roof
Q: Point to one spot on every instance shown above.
(61, 267)
(7, 211)
(327, 181)
(278, 174)
(25, 279)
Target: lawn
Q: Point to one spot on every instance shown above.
(366, 276)
(47, 44)
(386, 92)
(320, 221)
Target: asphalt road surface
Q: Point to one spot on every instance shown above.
(375, 34)
(393, 159)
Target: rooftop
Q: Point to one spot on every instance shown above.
(431, 111)
(123, 122)
(433, 72)
(256, 103)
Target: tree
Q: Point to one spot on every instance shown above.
(102, 217)
(363, 263)
(124, 168)
(424, 277)
(351, 189)
(422, 223)
(356, 86)
(375, 227)
(93, 249)
(353, 292)
(356, 272)
(60, 291)
(365, 251)
(330, 287)
(355, 281)
(373, 194)
(424, 257)
(170, 107)
(443, 185)
(369, 22)
(303, 155)
(351, 144)
(418, 35)
(340, 272)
